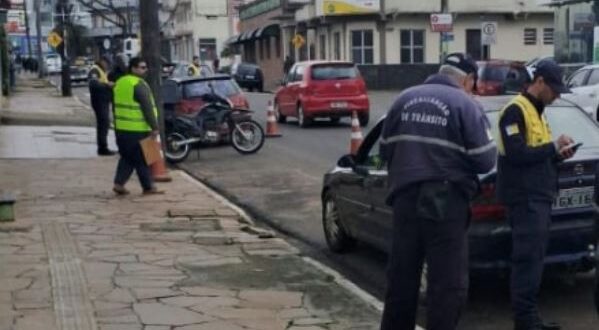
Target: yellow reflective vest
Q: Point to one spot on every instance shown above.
(128, 115)
(103, 78)
(194, 70)
(537, 128)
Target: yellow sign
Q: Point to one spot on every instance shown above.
(347, 7)
(298, 41)
(54, 39)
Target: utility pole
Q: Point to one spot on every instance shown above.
(150, 49)
(63, 8)
(38, 29)
(383, 34)
(442, 35)
(27, 31)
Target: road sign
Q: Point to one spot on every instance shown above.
(442, 22)
(488, 34)
(298, 41)
(54, 39)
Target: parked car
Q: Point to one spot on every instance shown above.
(532, 64)
(354, 192)
(80, 70)
(181, 69)
(53, 63)
(249, 76)
(184, 95)
(499, 77)
(584, 84)
(322, 89)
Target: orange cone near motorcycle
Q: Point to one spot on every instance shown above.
(184, 133)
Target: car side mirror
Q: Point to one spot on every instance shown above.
(347, 161)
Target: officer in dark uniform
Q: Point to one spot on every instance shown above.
(100, 93)
(527, 183)
(435, 140)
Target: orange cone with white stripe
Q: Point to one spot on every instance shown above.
(272, 130)
(159, 172)
(356, 134)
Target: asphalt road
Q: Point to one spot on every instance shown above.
(281, 186)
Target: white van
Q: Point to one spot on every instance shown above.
(53, 63)
(131, 47)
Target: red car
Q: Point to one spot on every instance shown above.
(322, 89)
(184, 95)
(499, 77)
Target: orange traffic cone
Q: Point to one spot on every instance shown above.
(356, 134)
(272, 130)
(159, 173)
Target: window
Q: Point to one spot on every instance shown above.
(323, 47)
(578, 79)
(548, 36)
(337, 41)
(593, 78)
(412, 46)
(362, 47)
(530, 36)
(207, 49)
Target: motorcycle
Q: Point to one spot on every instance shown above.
(216, 115)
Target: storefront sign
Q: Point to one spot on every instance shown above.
(347, 7)
(441, 22)
(258, 7)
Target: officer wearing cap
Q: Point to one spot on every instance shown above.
(435, 140)
(100, 93)
(526, 185)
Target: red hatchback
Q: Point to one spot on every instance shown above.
(499, 77)
(322, 89)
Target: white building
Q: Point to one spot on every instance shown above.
(200, 27)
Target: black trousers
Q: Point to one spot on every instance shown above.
(430, 224)
(132, 158)
(102, 111)
(530, 221)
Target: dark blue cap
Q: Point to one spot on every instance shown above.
(552, 75)
(462, 62)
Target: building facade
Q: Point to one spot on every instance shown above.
(400, 32)
(201, 27)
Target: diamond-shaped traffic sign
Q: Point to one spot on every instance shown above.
(54, 39)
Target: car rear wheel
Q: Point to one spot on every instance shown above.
(335, 233)
(280, 118)
(302, 120)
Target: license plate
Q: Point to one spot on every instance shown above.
(574, 198)
(338, 105)
(249, 77)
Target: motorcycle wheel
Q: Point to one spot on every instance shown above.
(247, 137)
(176, 154)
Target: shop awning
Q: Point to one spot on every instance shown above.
(267, 31)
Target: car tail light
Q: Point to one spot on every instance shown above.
(485, 206)
(489, 88)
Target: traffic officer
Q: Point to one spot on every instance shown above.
(435, 140)
(526, 185)
(194, 68)
(135, 118)
(100, 93)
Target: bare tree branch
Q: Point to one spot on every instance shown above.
(171, 14)
(104, 9)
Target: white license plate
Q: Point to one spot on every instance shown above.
(574, 198)
(338, 105)
(249, 77)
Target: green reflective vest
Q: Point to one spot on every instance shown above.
(128, 115)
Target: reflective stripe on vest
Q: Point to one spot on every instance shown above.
(128, 115)
(103, 78)
(537, 129)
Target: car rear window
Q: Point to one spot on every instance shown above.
(224, 87)
(563, 120)
(334, 72)
(493, 72)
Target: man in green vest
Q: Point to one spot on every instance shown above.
(135, 118)
(527, 184)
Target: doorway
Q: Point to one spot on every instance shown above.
(474, 47)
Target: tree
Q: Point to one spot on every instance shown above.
(77, 39)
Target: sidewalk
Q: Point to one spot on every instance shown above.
(78, 257)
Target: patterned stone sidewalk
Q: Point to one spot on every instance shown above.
(80, 258)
